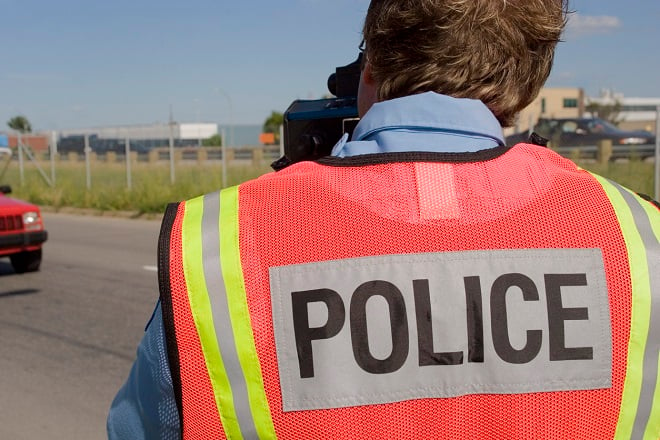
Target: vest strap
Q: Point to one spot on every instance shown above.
(164, 242)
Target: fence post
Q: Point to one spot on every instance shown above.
(231, 155)
(202, 155)
(88, 173)
(257, 157)
(19, 147)
(604, 151)
(129, 181)
(53, 155)
(171, 149)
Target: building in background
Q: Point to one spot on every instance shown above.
(36, 141)
(144, 136)
(150, 135)
(635, 114)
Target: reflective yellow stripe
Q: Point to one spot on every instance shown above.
(232, 273)
(640, 313)
(653, 428)
(201, 312)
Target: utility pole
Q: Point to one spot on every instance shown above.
(171, 124)
(230, 143)
(224, 158)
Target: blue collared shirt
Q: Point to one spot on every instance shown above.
(144, 407)
(425, 122)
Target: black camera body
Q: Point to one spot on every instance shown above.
(313, 127)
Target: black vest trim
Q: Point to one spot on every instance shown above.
(413, 156)
(166, 303)
(649, 199)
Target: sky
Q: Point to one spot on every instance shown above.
(83, 63)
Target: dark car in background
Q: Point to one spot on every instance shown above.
(76, 144)
(71, 144)
(582, 136)
(101, 146)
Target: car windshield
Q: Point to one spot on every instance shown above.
(546, 127)
(600, 125)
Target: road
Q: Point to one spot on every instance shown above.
(69, 332)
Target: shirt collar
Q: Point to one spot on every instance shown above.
(431, 121)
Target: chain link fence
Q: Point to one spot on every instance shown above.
(173, 145)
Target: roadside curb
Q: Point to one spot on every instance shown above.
(101, 213)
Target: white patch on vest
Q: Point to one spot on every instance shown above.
(390, 328)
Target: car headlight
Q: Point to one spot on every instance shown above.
(31, 220)
(633, 141)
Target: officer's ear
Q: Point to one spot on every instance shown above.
(367, 76)
(367, 91)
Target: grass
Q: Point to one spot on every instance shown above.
(634, 174)
(151, 188)
(150, 193)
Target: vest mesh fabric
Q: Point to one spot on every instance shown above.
(526, 198)
(200, 414)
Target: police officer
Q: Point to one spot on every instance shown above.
(424, 281)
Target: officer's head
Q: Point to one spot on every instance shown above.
(498, 51)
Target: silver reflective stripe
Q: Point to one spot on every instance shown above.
(650, 371)
(220, 309)
(390, 328)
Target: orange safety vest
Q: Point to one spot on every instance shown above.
(499, 294)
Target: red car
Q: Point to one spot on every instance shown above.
(22, 230)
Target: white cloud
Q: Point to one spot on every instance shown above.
(581, 25)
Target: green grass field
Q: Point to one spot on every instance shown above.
(635, 174)
(151, 188)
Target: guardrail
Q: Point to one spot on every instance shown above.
(606, 151)
(247, 156)
(264, 155)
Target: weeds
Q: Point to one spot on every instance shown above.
(151, 189)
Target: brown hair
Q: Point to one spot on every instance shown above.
(498, 51)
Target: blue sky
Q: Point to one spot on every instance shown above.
(79, 63)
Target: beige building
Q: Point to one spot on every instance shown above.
(551, 103)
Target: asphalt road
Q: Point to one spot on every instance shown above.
(69, 332)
